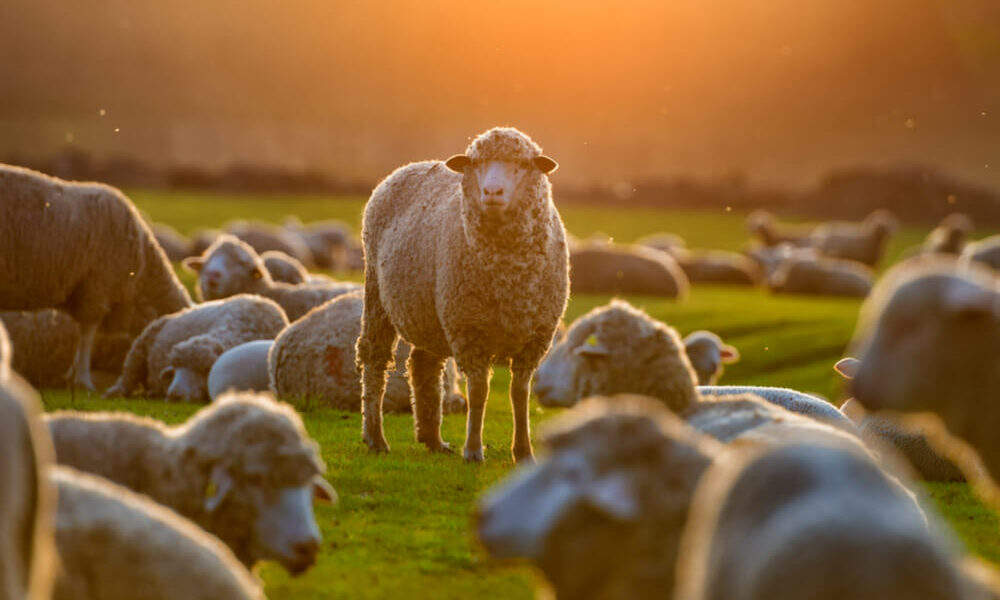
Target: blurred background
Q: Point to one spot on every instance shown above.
(767, 102)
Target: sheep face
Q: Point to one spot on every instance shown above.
(492, 187)
(930, 347)
(227, 268)
(285, 529)
(185, 385)
(707, 353)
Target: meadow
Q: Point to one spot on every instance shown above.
(402, 528)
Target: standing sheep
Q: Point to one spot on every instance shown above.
(986, 251)
(604, 268)
(27, 553)
(811, 520)
(928, 340)
(707, 353)
(821, 276)
(230, 266)
(243, 468)
(84, 249)
(118, 545)
(463, 258)
(315, 357)
(174, 354)
(863, 242)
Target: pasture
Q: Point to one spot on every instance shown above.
(402, 528)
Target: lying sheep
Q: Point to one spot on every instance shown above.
(105, 266)
(821, 276)
(863, 242)
(27, 553)
(174, 354)
(242, 368)
(618, 349)
(118, 545)
(463, 258)
(243, 468)
(175, 246)
(329, 242)
(230, 266)
(603, 268)
(928, 340)
(671, 243)
(284, 268)
(315, 358)
(717, 266)
(707, 353)
(811, 520)
(763, 225)
(986, 251)
(265, 236)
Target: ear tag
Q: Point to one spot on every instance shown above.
(211, 489)
(592, 340)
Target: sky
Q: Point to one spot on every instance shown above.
(781, 90)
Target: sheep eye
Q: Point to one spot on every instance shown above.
(256, 274)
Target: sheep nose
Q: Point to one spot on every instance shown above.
(493, 190)
(306, 548)
(213, 276)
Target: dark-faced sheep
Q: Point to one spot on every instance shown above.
(84, 249)
(464, 258)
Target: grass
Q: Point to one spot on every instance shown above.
(402, 527)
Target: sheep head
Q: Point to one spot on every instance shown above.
(228, 267)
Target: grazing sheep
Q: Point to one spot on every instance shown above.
(118, 545)
(671, 243)
(265, 236)
(821, 276)
(315, 357)
(175, 246)
(603, 268)
(243, 468)
(465, 258)
(27, 553)
(762, 224)
(618, 349)
(707, 353)
(284, 268)
(230, 266)
(717, 266)
(986, 251)
(602, 514)
(173, 355)
(928, 340)
(242, 368)
(329, 242)
(106, 264)
(950, 236)
(815, 520)
(863, 242)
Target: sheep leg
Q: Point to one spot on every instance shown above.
(80, 370)
(426, 371)
(375, 353)
(478, 391)
(519, 385)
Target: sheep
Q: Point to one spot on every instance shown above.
(202, 238)
(717, 266)
(618, 349)
(315, 358)
(601, 515)
(175, 246)
(670, 243)
(769, 258)
(707, 353)
(950, 236)
(27, 502)
(863, 242)
(230, 266)
(106, 265)
(762, 224)
(986, 251)
(116, 544)
(174, 354)
(329, 242)
(465, 258)
(811, 519)
(242, 468)
(265, 236)
(242, 368)
(603, 268)
(928, 340)
(821, 276)
(284, 268)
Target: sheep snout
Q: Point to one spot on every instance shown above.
(186, 386)
(288, 531)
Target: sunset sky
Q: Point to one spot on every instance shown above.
(615, 91)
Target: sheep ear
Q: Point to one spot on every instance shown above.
(458, 163)
(729, 354)
(323, 491)
(847, 367)
(613, 496)
(193, 263)
(593, 347)
(219, 486)
(545, 164)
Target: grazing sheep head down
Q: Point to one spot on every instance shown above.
(269, 481)
(603, 513)
(617, 349)
(498, 167)
(228, 267)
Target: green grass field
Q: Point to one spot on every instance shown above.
(402, 527)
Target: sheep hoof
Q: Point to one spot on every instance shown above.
(377, 446)
(475, 456)
(523, 457)
(115, 391)
(439, 446)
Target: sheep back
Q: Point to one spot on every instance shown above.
(617, 269)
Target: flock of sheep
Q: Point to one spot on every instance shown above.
(658, 482)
